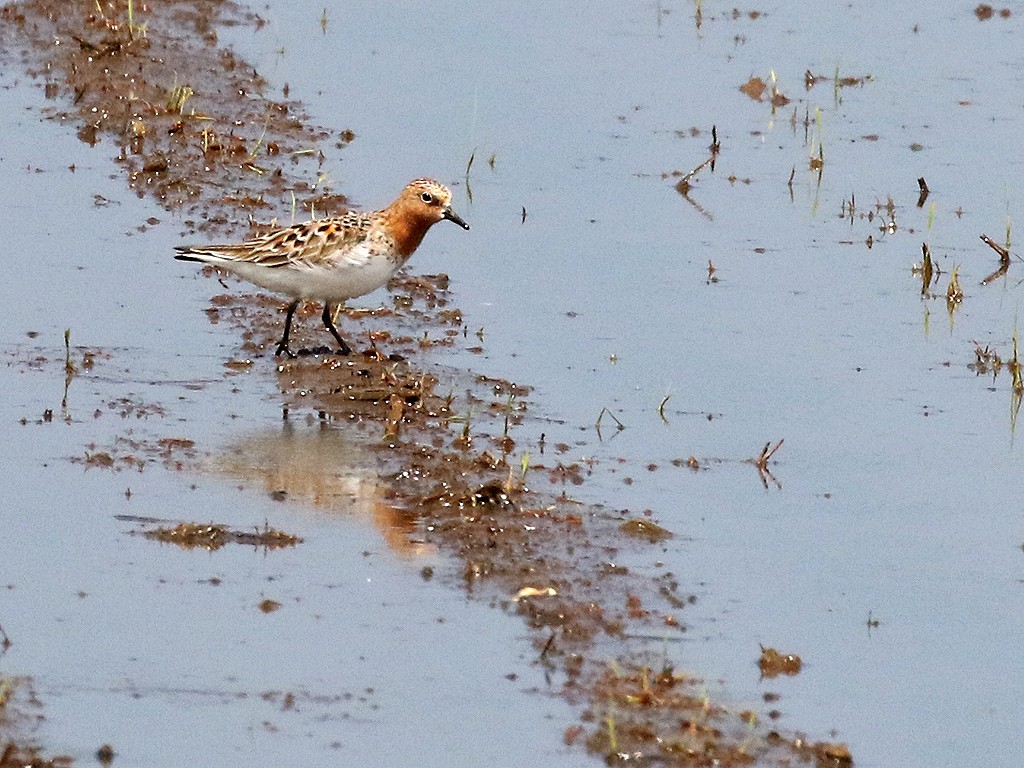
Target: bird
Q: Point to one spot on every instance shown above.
(336, 258)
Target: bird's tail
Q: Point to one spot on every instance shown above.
(184, 253)
(201, 254)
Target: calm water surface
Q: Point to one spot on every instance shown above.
(900, 472)
(899, 480)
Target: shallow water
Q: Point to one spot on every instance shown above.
(898, 481)
(165, 653)
(900, 469)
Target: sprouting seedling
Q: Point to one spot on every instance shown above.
(467, 422)
(954, 293)
(661, 406)
(613, 740)
(323, 21)
(178, 96)
(931, 216)
(749, 738)
(850, 208)
(321, 177)
(70, 371)
(69, 367)
(525, 463)
(818, 162)
(1015, 367)
(469, 189)
(259, 141)
(509, 409)
(133, 28)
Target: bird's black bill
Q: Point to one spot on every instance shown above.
(453, 216)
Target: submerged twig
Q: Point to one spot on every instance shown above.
(683, 185)
(619, 426)
(761, 462)
(1004, 259)
(923, 186)
(766, 454)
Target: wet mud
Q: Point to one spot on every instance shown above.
(20, 714)
(190, 126)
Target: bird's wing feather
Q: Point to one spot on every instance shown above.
(310, 244)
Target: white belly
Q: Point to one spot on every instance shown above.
(354, 275)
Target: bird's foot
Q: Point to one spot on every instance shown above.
(282, 349)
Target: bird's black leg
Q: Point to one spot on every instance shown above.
(326, 317)
(282, 348)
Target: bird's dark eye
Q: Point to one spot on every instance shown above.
(426, 197)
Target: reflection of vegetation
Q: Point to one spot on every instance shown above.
(762, 460)
(1004, 256)
(954, 294)
(988, 361)
(926, 270)
(1014, 366)
(212, 537)
(71, 370)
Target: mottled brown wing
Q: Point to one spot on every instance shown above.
(308, 243)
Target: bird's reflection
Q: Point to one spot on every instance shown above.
(323, 467)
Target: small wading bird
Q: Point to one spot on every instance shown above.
(334, 259)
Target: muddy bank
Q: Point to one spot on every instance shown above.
(190, 126)
(188, 123)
